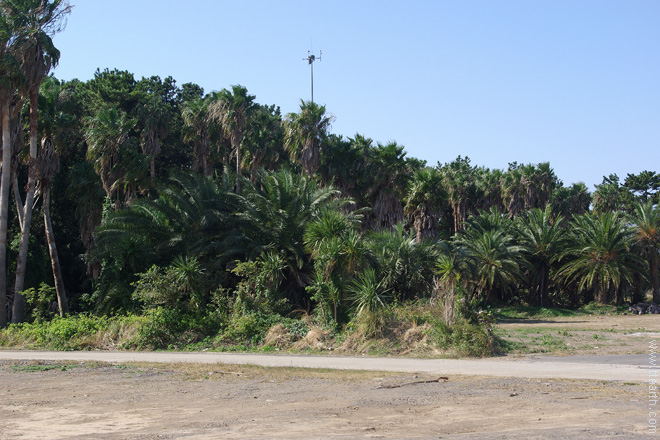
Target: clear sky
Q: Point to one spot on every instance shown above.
(572, 82)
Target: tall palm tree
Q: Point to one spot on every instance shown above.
(460, 184)
(388, 172)
(40, 19)
(263, 145)
(48, 165)
(423, 200)
(599, 257)
(10, 76)
(107, 136)
(489, 188)
(196, 131)
(647, 233)
(232, 111)
(572, 200)
(305, 131)
(155, 118)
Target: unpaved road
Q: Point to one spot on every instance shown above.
(622, 368)
(102, 395)
(220, 401)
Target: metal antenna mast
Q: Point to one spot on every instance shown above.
(310, 59)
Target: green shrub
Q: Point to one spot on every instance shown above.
(170, 328)
(70, 333)
(39, 301)
(250, 327)
(466, 339)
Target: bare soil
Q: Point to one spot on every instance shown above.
(597, 335)
(83, 400)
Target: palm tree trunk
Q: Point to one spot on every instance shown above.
(603, 293)
(152, 168)
(655, 282)
(450, 304)
(5, 181)
(5, 177)
(238, 169)
(543, 286)
(18, 314)
(62, 300)
(19, 201)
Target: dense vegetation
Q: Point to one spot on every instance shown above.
(210, 211)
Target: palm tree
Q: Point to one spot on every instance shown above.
(48, 165)
(647, 234)
(513, 190)
(40, 20)
(54, 119)
(191, 217)
(387, 173)
(405, 265)
(489, 188)
(108, 138)
(305, 131)
(196, 130)
(423, 201)
(572, 200)
(263, 145)
(453, 267)
(275, 212)
(155, 118)
(543, 237)
(460, 184)
(489, 241)
(9, 77)
(599, 257)
(232, 111)
(343, 164)
(339, 252)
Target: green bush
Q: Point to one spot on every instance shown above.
(39, 301)
(250, 327)
(466, 339)
(70, 333)
(171, 328)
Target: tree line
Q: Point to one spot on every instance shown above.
(164, 196)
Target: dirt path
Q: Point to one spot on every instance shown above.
(528, 367)
(217, 401)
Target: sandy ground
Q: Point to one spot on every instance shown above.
(96, 400)
(102, 401)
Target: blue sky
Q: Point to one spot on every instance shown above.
(575, 83)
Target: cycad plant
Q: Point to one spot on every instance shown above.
(646, 232)
(599, 257)
(404, 264)
(498, 258)
(543, 238)
(274, 213)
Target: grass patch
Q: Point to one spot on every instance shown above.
(36, 368)
(529, 312)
